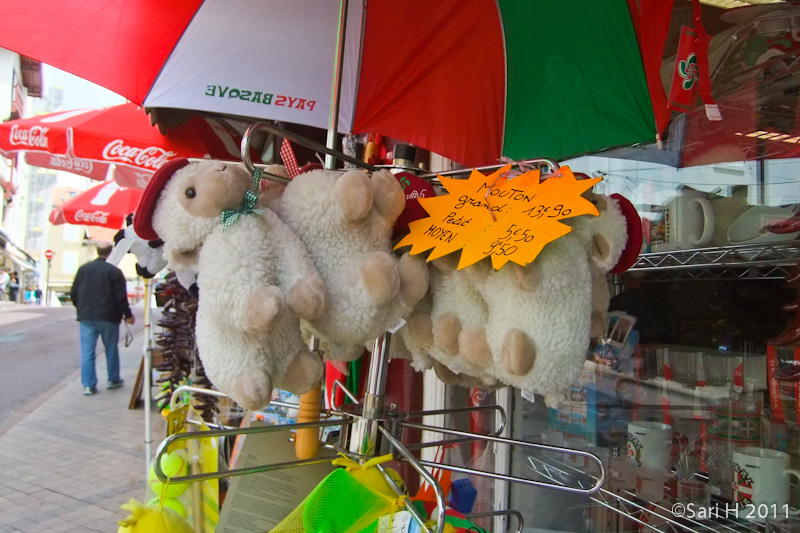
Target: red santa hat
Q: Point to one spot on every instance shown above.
(143, 218)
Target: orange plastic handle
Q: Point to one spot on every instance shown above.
(306, 441)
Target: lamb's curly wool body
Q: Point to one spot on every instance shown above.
(538, 326)
(255, 277)
(346, 224)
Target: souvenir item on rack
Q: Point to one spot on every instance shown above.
(152, 519)
(345, 221)
(252, 269)
(149, 254)
(452, 332)
(365, 490)
(539, 316)
(612, 241)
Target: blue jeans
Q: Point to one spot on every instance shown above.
(109, 332)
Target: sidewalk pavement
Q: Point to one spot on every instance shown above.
(70, 461)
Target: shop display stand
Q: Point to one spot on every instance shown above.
(369, 428)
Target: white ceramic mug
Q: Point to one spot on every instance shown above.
(761, 482)
(650, 444)
(684, 221)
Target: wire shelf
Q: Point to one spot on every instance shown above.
(744, 261)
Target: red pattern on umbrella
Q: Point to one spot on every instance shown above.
(106, 205)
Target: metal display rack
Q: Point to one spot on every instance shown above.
(370, 428)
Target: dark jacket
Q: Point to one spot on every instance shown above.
(99, 292)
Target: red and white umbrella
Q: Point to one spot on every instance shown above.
(106, 205)
(471, 81)
(89, 141)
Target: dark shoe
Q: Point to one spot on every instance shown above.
(115, 384)
(89, 391)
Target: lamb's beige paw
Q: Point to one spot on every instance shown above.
(308, 298)
(389, 198)
(381, 277)
(413, 278)
(518, 353)
(303, 373)
(263, 307)
(445, 333)
(473, 346)
(353, 195)
(420, 328)
(252, 389)
(445, 375)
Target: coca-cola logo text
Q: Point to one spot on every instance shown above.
(93, 216)
(70, 163)
(33, 137)
(151, 157)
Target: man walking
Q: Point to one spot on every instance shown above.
(100, 295)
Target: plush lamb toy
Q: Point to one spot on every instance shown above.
(540, 316)
(345, 221)
(449, 333)
(255, 277)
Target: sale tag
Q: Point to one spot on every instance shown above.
(454, 219)
(494, 216)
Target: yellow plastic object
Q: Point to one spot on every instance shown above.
(152, 519)
(306, 441)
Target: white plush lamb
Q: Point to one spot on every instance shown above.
(541, 315)
(256, 278)
(345, 221)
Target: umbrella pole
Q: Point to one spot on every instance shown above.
(146, 354)
(336, 84)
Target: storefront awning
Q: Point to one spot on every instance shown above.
(11, 250)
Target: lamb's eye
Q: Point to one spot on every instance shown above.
(190, 193)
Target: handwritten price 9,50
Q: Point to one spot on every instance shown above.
(538, 211)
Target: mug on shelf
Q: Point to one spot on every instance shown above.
(650, 444)
(684, 221)
(761, 482)
(683, 367)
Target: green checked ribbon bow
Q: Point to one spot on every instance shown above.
(229, 216)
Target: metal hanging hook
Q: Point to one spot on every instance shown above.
(280, 132)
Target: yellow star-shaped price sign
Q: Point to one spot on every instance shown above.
(454, 219)
(507, 219)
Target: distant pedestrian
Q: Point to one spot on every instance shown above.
(99, 293)
(13, 287)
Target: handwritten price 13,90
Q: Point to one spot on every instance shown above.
(538, 211)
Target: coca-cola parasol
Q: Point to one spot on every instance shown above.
(88, 141)
(106, 204)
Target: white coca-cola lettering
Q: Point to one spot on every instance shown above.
(93, 216)
(33, 137)
(151, 157)
(70, 162)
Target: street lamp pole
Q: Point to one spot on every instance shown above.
(49, 256)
